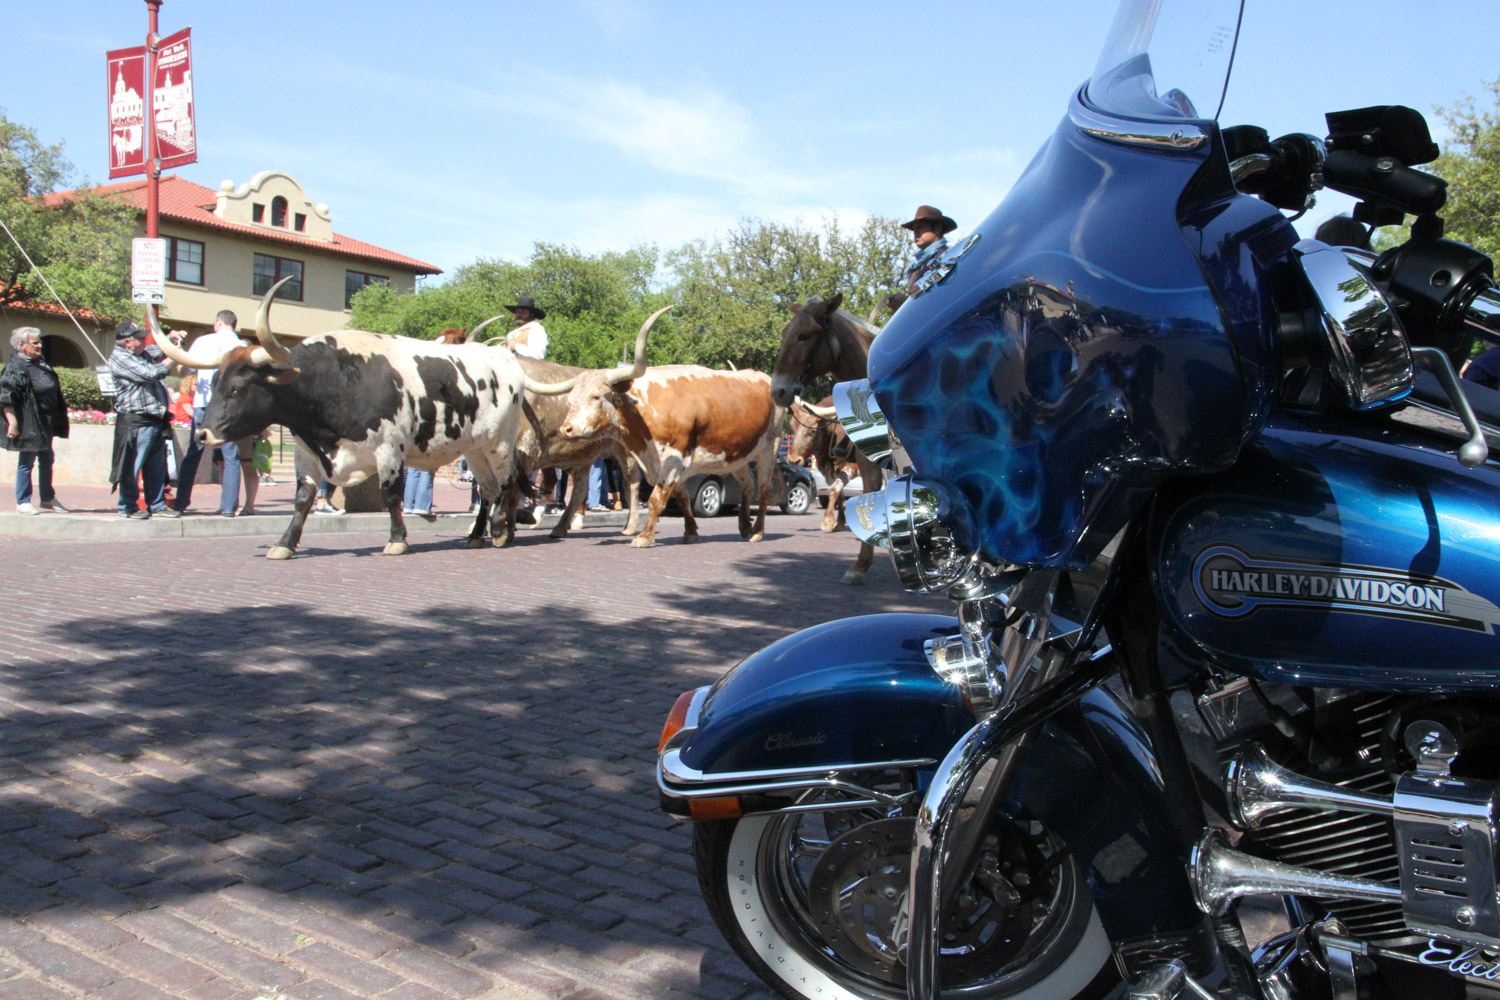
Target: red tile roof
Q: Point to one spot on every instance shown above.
(184, 201)
(50, 308)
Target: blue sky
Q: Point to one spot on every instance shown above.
(455, 130)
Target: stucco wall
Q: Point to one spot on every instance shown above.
(228, 280)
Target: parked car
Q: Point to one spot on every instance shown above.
(712, 494)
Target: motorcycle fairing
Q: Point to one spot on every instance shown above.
(865, 684)
(1076, 356)
(1339, 553)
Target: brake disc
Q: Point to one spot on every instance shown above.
(857, 892)
(857, 895)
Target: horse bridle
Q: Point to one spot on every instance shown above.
(817, 420)
(825, 324)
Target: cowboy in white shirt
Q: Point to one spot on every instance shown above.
(528, 339)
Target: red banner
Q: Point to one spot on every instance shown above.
(127, 111)
(171, 103)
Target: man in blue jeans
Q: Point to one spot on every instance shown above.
(209, 347)
(141, 422)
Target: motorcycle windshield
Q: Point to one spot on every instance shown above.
(1106, 327)
(1166, 59)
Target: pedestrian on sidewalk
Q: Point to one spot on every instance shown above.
(324, 503)
(31, 399)
(141, 422)
(417, 496)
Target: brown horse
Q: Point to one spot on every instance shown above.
(822, 339)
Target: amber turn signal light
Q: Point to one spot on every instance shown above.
(724, 807)
(676, 718)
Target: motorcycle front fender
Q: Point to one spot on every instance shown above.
(820, 706)
(856, 694)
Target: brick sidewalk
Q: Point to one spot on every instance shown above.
(352, 775)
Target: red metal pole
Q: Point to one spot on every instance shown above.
(153, 158)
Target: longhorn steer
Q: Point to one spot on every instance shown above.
(678, 421)
(541, 445)
(822, 441)
(364, 404)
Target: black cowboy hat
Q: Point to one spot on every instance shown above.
(926, 213)
(525, 302)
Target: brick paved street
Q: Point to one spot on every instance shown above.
(353, 775)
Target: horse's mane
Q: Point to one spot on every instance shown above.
(861, 324)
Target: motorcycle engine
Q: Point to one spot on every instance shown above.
(1374, 811)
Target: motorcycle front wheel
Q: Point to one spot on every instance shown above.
(810, 901)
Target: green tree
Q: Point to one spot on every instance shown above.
(735, 291)
(1471, 165)
(730, 295)
(594, 303)
(81, 244)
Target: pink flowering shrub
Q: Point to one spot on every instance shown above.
(108, 419)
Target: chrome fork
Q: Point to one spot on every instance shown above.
(937, 816)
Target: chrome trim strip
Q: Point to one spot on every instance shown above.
(672, 769)
(861, 797)
(1165, 135)
(695, 708)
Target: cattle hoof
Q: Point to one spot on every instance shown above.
(558, 532)
(853, 577)
(627, 530)
(500, 540)
(756, 537)
(825, 526)
(279, 552)
(642, 542)
(395, 549)
(473, 543)
(689, 539)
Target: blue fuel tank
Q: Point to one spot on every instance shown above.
(1340, 551)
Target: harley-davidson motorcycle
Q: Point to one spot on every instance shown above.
(1215, 714)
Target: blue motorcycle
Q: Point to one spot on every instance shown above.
(1215, 713)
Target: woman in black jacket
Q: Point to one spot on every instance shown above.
(32, 402)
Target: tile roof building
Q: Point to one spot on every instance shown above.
(224, 249)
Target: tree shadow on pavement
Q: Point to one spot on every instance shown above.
(475, 779)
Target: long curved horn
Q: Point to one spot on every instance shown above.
(481, 326)
(172, 351)
(550, 388)
(626, 372)
(826, 412)
(268, 343)
(620, 373)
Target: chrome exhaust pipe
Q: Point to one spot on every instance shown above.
(1220, 875)
(1259, 788)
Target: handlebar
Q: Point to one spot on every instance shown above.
(1482, 315)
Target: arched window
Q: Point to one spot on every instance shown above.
(278, 211)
